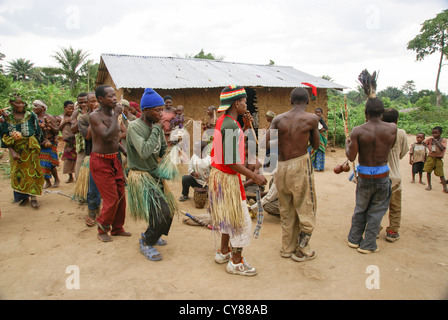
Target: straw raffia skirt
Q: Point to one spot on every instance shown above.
(225, 204)
(144, 197)
(81, 187)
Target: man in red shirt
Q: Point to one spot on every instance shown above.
(227, 199)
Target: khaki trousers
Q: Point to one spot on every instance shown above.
(297, 202)
(395, 209)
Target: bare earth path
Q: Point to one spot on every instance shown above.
(37, 246)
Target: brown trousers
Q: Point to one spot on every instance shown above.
(297, 202)
(395, 209)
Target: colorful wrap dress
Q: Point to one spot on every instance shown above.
(26, 174)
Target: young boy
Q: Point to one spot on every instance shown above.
(179, 119)
(417, 157)
(398, 152)
(318, 156)
(434, 161)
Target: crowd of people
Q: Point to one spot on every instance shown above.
(113, 151)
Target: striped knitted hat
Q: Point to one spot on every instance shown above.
(229, 95)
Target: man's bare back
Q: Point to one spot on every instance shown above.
(295, 129)
(372, 141)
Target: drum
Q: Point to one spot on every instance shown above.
(200, 197)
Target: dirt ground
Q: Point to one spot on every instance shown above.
(37, 247)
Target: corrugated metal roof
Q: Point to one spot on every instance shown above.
(181, 73)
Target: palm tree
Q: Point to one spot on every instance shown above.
(21, 69)
(72, 64)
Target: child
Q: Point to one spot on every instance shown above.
(179, 119)
(417, 157)
(69, 157)
(434, 161)
(318, 156)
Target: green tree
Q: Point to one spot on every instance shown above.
(21, 70)
(209, 56)
(432, 39)
(392, 93)
(2, 56)
(408, 88)
(72, 64)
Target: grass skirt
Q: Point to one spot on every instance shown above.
(167, 168)
(225, 206)
(145, 197)
(81, 187)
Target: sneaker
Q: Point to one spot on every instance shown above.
(243, 268)
(222, 258)
(392, 236)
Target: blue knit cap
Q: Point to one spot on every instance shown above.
(151, 99)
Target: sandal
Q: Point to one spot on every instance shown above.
(104, 237)
(149, 252)
(35, 204)
(304, 257)
(184, 198)
(24, 202)
(121, 234)
(89, 221)
(91, 218)
(159, 242)
(367, 251)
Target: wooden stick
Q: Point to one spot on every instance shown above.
(197, 220)
(253, 131)
(346, 125)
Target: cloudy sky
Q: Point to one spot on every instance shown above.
(321, 37)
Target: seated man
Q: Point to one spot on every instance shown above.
(198, 172)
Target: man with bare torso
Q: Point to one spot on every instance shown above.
(295, 176)
(105, 167)
(372, 142)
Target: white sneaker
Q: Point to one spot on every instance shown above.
(243, 268)
(222, 258)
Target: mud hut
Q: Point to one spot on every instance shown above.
(197, 83)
